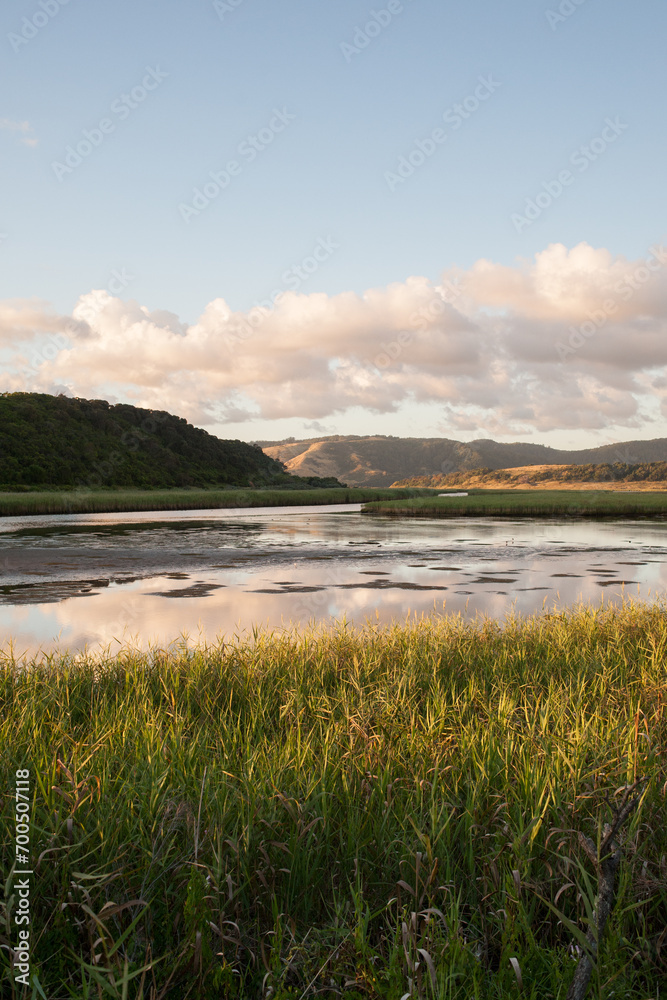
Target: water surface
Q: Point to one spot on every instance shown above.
(76, 581)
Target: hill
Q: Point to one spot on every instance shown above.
(383, 460)
(618, 477)
(59, 441)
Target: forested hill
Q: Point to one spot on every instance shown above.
(58, 441)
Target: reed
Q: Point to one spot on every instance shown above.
(111, 501)
(367, 812)
(527, 503)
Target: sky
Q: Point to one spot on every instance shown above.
(297, 218)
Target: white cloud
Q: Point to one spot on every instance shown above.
(24, 129)
(492, 346)
(20, 319)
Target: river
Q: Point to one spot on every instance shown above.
(100, 580)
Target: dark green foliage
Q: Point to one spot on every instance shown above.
(58, 441)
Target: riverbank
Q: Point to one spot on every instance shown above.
(527, 503)
(117, 501)
(343, 810)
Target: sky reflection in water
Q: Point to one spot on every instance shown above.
(98, 580)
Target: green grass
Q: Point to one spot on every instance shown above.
(308, 810)
(110, 501)
(527, 503)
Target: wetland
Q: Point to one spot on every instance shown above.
(101, 580)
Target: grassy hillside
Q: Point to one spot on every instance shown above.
(58, 441)
(645, 475)
(341, 813)
(382, 460)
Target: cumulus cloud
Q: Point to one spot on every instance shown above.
(21, 319)
(571, 339)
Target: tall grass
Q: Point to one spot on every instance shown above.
(527, 503)
(367, 812)
(111, 501)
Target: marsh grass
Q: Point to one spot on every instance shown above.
(359, 812)
(527, 503)
(118, 500)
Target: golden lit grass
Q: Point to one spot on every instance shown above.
(367, 807)
(523, 477)
(620, 477)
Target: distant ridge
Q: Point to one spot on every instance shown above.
(620, 476)
(381, 460)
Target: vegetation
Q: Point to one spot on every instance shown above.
(527, 503)
(380, 460)
(367, 813)
(619, 472)
(55, 441)
(109, 501)
(59, 442)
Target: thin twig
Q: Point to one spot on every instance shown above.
(606, 862)
(201, 796)
(324, 964)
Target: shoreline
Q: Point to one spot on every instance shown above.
(537, 504)
(40, 503)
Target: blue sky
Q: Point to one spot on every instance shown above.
(335, 94)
